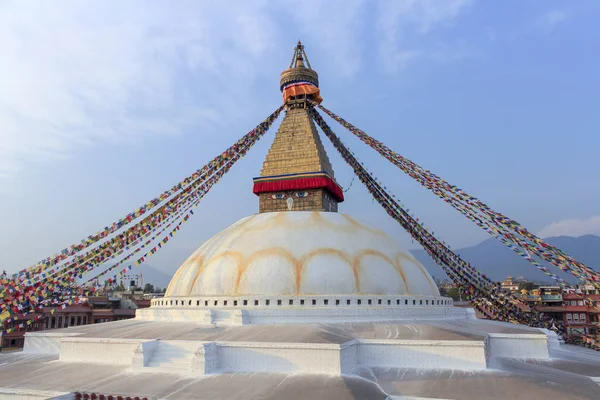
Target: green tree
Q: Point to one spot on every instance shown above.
(528, 286)
(149, 288)
(454, 293)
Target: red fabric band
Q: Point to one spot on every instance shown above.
(299, 184)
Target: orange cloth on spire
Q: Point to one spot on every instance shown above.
(302, 88)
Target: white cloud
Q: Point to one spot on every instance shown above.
(554, 18)
(74, 74)
(399, 19)
(572, 227)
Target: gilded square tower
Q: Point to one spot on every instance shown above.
(297, 174)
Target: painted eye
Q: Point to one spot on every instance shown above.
(301, 194)
(278, 196)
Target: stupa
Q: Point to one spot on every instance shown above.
(300, 301)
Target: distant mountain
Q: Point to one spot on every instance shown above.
(497, 261)
(155, 276)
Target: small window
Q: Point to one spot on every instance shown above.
(197, 302)
(580, 303)
(268, 302)
(189, 302)
(255, 302)
(358, 301)
(291, 302)
(379, 301)
(405, 302)
(389, 302)
(576, 317)
(426, 302)
(421, 302)
(224, 302)
(582, 317)
(314, 302)
(569, 316)
(574, 302)
(414, 302)
(176, 302)
(337, 302)
(205, 303)
(171, 302)
(397, 302)
(245, 302)
(370, 302)
(182, 303)
(216, 302)
(348, 302)
(278, 302)
(302, 302)
(326, 301)
(235, 302)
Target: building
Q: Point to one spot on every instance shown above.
(510, 284)
(299, 301)
(16, 338)
(96, 309)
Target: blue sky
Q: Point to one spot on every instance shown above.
(104, 105)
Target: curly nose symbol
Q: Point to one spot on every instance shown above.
(290, 203)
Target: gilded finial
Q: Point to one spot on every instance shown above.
(299, 57)
(300, 78)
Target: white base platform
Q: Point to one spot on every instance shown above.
(446, 358)
(340, 350)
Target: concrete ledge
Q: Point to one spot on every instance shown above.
(519, 346)
(31, 394)
(99, 351)
(279, 357)
(428, 354)
(45, 342)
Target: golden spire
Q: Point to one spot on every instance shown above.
(300, 79)
(299, 57)
(297, 174)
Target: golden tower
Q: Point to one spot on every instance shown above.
(297, 174)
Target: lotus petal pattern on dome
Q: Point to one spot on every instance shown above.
(297, 253)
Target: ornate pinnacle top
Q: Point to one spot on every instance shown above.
(298, 72)
(299, 57)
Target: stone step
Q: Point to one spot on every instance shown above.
(173, 352)
(167, 363)
(171, 359)
(168, 369)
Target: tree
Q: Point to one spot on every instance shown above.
(527, 286)
(454, 293)
(148, 288)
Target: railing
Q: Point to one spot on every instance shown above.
(551, 297)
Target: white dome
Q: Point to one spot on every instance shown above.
(298, 253)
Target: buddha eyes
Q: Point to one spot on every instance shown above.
(281, 196)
